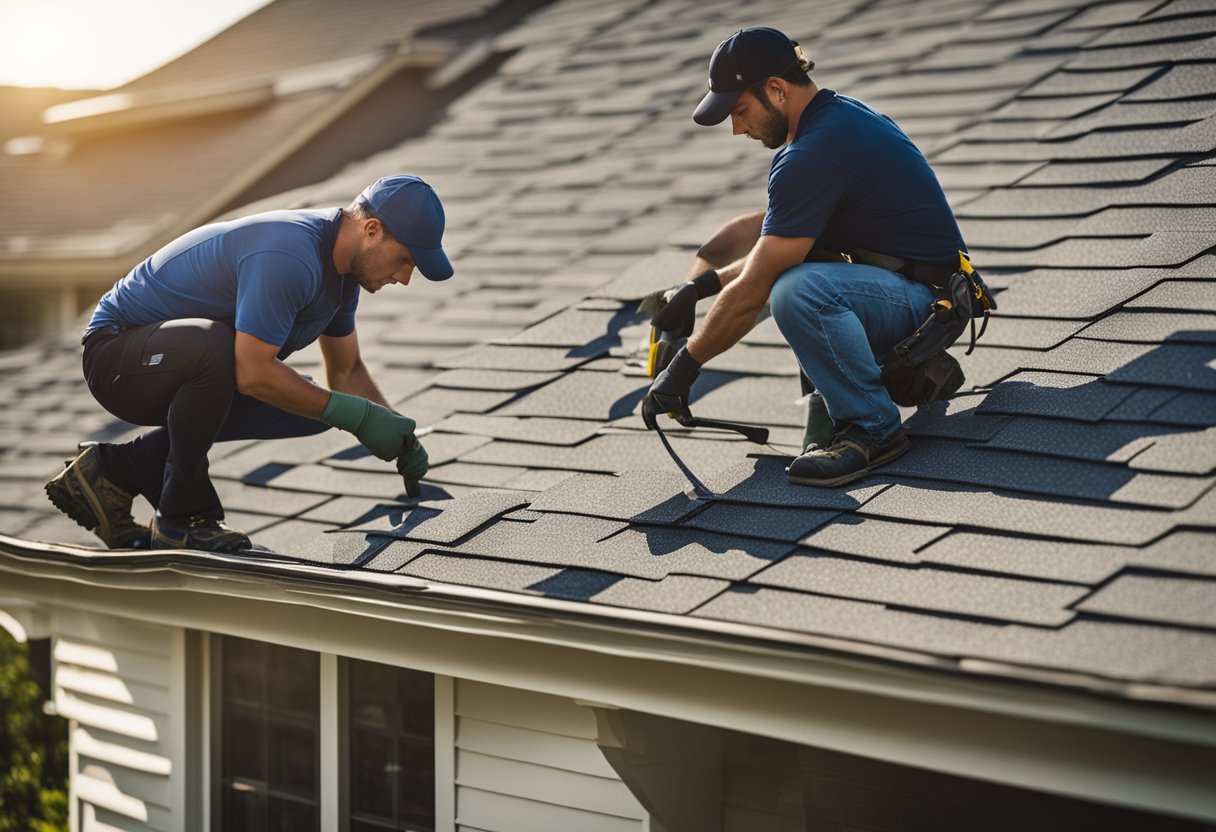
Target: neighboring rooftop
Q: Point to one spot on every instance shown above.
(1055, 522)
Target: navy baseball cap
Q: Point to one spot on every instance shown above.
(747, 57)
(412, 212)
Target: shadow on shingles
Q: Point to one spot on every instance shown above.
(660, 541)
(625, 316)
(707, 382)
(575, 584)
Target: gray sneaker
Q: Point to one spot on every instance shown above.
(200, 533)
(83, 493)
(850, 456)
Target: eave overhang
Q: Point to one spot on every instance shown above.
(1050, 732)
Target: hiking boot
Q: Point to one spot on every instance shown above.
(200, 533)
(851, 455)
(83, 493)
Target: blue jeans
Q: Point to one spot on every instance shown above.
(841, 320)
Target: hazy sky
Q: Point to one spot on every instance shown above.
(99, 44)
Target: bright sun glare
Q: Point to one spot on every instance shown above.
(87, 44)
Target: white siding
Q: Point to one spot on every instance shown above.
(528, 762)
(120, 683)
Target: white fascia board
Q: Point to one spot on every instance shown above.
(1058, 741)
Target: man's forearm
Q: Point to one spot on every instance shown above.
(358, 382)
(732, 316)
(275, 383)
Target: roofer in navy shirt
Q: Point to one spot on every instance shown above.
(193, 340)
(846, 182)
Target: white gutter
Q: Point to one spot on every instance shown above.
(1140, 755)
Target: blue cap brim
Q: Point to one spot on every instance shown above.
(432, 262)
(715, 107)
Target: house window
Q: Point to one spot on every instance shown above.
(391, 766)
(269, 725)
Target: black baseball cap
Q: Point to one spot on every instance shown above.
(747, 57)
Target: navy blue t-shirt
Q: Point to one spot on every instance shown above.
(270, 275)
(852, 179)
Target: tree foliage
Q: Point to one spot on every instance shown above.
(33, 750)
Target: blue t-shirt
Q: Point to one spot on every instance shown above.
(852, 179)
(270, 275)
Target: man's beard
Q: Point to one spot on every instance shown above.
(774, 129)
(359, 270)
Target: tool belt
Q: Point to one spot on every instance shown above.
(918, 370)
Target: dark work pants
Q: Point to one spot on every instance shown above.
(179, 375)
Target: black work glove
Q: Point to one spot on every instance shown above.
(675, 309)
(669, 393)
(412, 464)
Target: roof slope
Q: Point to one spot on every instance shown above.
(1056, 521)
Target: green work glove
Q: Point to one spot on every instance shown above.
(412, 465)
(381, 431)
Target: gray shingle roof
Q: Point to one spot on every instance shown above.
(1056, 517)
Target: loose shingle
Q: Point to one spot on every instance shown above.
(1190, 602)
(1029, 602)
(644, 496)
(869, 537)
(768, 522)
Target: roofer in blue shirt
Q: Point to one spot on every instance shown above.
(847, 182)
(193, 340)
